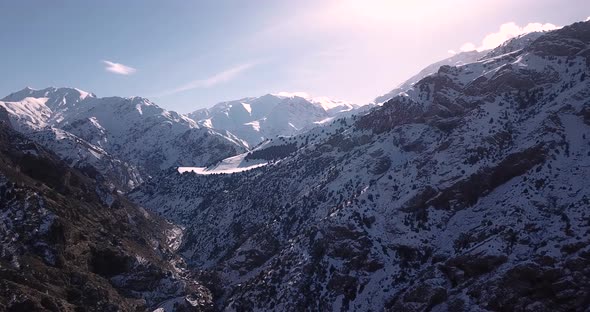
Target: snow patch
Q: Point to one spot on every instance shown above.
(247, 107)
(254, 124)
(227, 166)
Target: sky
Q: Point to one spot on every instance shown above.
(184, 55)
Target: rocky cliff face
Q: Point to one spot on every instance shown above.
(467, 193)
(68, 243)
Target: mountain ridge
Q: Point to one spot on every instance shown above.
(134, 132)
(256, 119)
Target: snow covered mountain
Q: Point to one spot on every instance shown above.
(462, 58)
(467, 192)
(124, 138)
(256, 119)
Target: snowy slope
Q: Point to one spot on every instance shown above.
(515, 44)
(80, 154)
(465, 193)
(455, 60)
(254, 120)
(146, 135)
(28, 114)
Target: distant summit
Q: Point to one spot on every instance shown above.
(255, 119)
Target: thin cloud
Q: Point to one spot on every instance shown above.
(219, 78)
(119, 68)
(505, 32)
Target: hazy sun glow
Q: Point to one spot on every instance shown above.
(391, 12)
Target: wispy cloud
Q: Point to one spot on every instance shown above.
(219, 78)
(505, 32)
(468, 46)
(118, 68)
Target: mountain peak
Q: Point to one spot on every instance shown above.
(293, 94)
(255, 119)
(58, 96)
